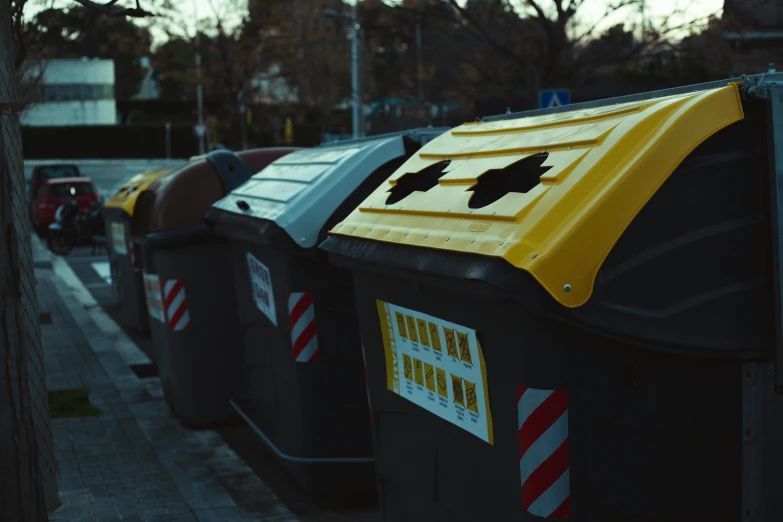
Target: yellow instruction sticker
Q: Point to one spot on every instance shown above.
(401, 325)
(429, 376)
(118, 239)
(407, 367)
(451, 385)
(418, 372)
(435, 337)
(423, 337)
(464, 347)
(412, 329)
(456, 387)
(470, 396)
(443, 386)
(451, 343)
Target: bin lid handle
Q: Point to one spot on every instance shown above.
(230, 168)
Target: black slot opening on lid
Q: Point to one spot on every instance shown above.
(518, 177)
(420, 181)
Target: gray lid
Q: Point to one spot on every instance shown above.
(300, 191)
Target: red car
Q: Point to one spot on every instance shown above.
(52, 195)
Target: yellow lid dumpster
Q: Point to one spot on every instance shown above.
(562, 313)
(548, 194)
(124, 199)
(125, 275)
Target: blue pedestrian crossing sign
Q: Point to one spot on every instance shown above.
(554, 98)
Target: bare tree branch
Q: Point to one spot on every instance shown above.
(610, 9)
(489, 39)
(109, 10)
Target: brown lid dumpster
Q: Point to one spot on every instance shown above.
(182, 196)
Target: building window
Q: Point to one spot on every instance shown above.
(76, 92)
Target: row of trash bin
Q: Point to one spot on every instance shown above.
(547, 314)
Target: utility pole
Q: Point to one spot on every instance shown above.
(199, 88)
(355, 92)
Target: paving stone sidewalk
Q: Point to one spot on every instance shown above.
(133, 462)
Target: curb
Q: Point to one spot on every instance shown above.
(42, 258)
(108, 328)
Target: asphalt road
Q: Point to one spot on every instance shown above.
(93, 271)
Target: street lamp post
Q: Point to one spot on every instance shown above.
(356, 96)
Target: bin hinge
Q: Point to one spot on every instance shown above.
(760, 89)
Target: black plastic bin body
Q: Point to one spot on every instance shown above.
(626, 407)
(189, 285)
(307, 399)
(127, 279)
(194, 326)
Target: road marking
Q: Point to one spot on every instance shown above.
(103, 269)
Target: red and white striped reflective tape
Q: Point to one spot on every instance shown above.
(366, 379)
(543, 451)
(304, 334)
(176, 305)
(133, 257)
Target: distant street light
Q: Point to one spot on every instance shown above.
(355, 88)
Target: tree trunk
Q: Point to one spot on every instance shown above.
(25, 438)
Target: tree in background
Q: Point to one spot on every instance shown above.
(546, 43)
(173, 62)
(82, 32)
(236, 43)
(314, 55)
(747, 22)
(485, 54)
(28, 67)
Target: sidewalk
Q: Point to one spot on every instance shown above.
(133, 462)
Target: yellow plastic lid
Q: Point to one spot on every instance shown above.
(604, 164)
(125, 198)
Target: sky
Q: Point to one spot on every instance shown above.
(592, 13)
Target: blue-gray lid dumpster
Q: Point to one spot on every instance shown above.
(307, 401)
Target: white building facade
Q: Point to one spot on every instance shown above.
(74, 92)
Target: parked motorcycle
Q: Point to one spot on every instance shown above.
(73, 227)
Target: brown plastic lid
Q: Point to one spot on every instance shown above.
(182, 196)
